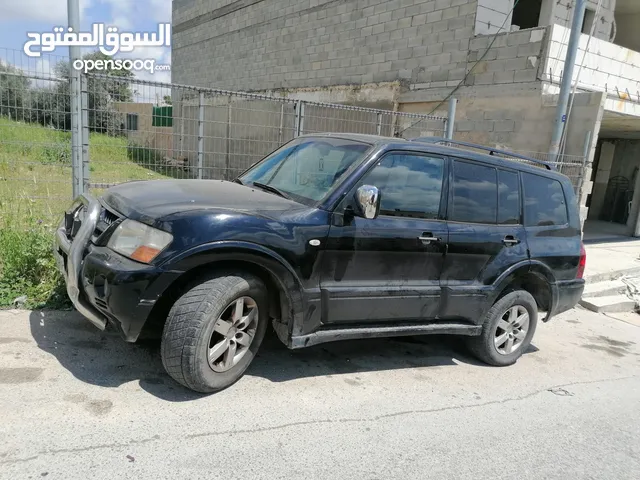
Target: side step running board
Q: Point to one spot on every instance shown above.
(324, 336)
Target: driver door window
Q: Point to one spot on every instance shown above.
(410, 185)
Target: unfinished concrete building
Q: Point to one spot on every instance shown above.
(411, 55)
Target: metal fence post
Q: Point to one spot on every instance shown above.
(200, 134)
(451, 118)
(73, 14)
(227, 162)
(395, 127)
(84, 160)
(298, 127)
(296, 120)
(379, 124)
(182, 117)
(76, 135)
(302, 118)
(280, 131)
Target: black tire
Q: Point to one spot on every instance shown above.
(190, 326)
(483, 346)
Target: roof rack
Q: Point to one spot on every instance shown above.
(492, 151)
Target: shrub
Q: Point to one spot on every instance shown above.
(27, 267)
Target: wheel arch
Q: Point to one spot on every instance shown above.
(533, 277)
(283, 285)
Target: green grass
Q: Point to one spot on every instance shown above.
(27, 267)
(35, 168)
(35, 190)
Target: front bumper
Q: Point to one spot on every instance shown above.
(104, 286)
(69, 256)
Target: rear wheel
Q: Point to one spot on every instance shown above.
(214, 330)
(507, 329)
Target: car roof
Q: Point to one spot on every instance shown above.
(430, 145)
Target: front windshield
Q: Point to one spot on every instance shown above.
(306, 169)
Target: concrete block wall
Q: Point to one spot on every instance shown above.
(563, 15)
(606, 66)
(491, 15)
(281, 44)
(516, 117)
(520, 117)
(514, 57)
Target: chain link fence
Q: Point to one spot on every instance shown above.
(35, 138)
(182, 131)
(131, 129)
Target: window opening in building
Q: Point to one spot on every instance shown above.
(527, 14)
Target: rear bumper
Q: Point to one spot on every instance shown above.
(104, 286)
(567, 295)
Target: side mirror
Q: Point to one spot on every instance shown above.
(368, 200)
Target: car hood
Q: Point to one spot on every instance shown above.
(153, 200)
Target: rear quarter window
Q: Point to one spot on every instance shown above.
(544, 201)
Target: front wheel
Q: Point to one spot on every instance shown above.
(507, 329)
(214, 330)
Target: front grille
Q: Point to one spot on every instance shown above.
(100, 303)
(106, 220)
(109, 217)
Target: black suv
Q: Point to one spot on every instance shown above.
(332, 237)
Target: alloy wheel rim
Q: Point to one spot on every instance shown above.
(233, 334)
(511, 330)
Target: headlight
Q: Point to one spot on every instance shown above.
(139, 241)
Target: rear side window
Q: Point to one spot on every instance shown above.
(544, 202)
(475, 193)
(508, 198)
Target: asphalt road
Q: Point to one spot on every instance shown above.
(77, 403)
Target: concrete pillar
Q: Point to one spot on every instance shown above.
(633, 223)
(547, 13)
(602, 178)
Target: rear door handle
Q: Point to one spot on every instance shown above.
(510, 240)
(428, 237)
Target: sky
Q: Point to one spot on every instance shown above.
(17, 17)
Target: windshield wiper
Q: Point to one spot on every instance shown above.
(237, 180)
(271, 189)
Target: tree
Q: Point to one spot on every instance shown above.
(102, 93)
(167, 100)
(14, 92)
(50, 108)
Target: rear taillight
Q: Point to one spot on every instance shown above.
(583, 261)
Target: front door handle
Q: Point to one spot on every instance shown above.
(428, 237)
(510, 241)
